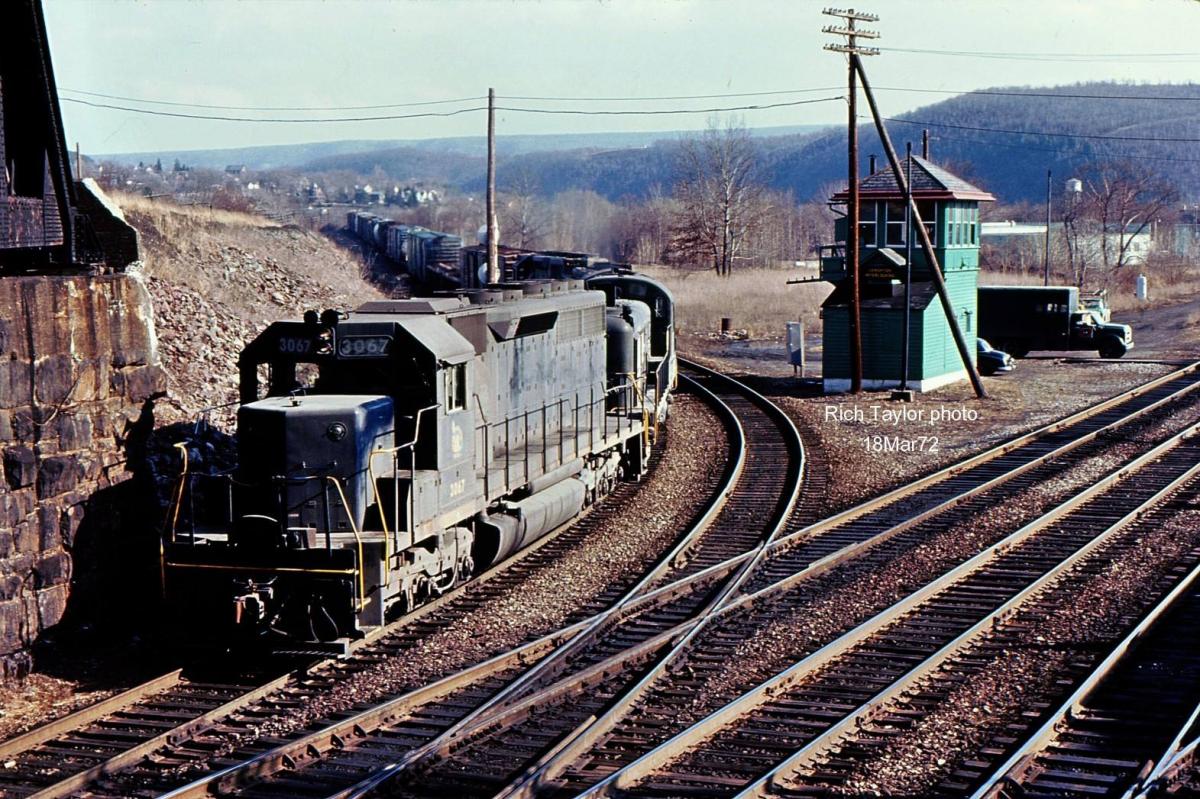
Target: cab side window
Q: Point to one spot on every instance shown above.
(456, 387)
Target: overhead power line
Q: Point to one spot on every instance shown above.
(1067, 57)
(180, 104)
(1063, 151)
(661, 111)
(672, 96)
(1096, 136)
(649, 98)
(424, 114)
(1051, 94)
(223, 118)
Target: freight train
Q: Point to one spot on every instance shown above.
(389, 454)
(441, 260)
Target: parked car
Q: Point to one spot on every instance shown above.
(991, 360)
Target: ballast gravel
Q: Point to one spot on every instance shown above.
(636, 536)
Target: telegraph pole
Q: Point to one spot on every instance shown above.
(935, 269)
(852, 34)
(1046, 258)
(493, 253)
(908, 256)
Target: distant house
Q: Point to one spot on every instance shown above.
(365, 195)
(1027, 240)
(235, 169)
(410, 196)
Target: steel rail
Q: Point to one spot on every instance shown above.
(564, 747)
(564, 644)
(1018, 767)
(586, 737)
(185, 730)
(300, 750)
(681, 743)
(789, 496)
(133, 754)
(1168, 758)
(763, 786)
(859, 510)
(1172, 770)
(529, 784)
(801, 536)
(459, 734)
(336, 736)
(85, 716)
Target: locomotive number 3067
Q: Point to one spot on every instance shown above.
(295, 344)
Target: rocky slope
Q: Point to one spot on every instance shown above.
(217, 278)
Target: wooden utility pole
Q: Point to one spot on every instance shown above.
(935, 268)
(78, 163)
(493, 253)
(1046, 254)
(851, 47)
(908, 258)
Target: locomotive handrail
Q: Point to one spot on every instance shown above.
(571, 397)
(362, 580)
(394, 452)
(182, 447)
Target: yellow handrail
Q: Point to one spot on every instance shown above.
(162, 549)
(387, 538)
(641, 398)
(362, 580)
(182, 447)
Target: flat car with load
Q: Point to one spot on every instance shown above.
(392, 453)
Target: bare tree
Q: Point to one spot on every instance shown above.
(1125, 201)
(524, 220)
(719, 198)
(640, 233)
(1076, 224)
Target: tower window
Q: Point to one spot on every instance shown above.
(866, 225)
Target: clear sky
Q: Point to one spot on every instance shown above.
(315, 53)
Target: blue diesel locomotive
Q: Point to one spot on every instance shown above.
(389, 454)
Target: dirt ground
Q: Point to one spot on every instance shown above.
(872, 443)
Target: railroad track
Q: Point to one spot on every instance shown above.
(170, 711)
(116, 733)
(474, 766)
(1120, 730)
(752, 511)
(177, 758)
(1158, 391)
(804, 731)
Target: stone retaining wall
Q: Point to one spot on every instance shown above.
(79, 373)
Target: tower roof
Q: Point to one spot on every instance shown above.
(930, 182)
